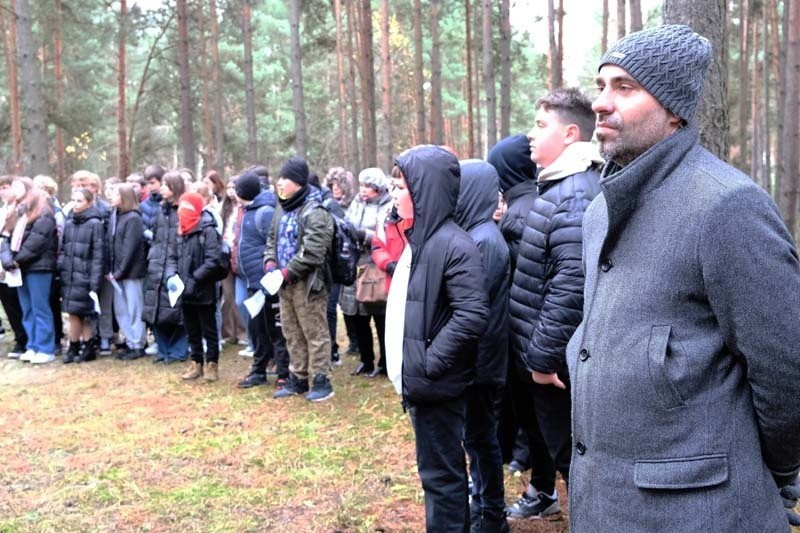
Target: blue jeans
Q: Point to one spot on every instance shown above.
(37, 318)
(241, 294)
(483, 448)
(172, 342)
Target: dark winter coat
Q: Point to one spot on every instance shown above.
(156, 298)
(547, 291)
(477, 201)
(81, 261)
(256, 223)
(150, 207)
(127, 247)
(511, 157)
(39, 247)
(686, 367)
(447, 303)
(194, 259)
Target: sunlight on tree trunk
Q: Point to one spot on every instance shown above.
(249, 85)
(488, 76)
(187, 126)
(122, 140)
(298, 99)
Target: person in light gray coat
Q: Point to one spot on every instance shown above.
(686, 367)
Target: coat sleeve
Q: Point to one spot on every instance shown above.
(316, 241)
(271, 248)
(6, 257)
(752, 277)
(465, 287)
(41, 234)
(209, 254)
(97, 259)
(562, 291)
(379, 251)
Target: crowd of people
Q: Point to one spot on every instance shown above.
(625, 319)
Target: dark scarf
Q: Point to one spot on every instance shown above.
(296, 200)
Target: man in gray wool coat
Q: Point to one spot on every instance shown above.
(686, 367)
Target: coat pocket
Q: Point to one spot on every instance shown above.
(681, 473)
(658, 357)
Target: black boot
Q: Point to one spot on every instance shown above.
(72, 352)
(88, 352)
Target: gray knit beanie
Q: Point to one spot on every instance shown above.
(669, 61)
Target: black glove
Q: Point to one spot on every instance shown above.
(789, 494)
(390, 268)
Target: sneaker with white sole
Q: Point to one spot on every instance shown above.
(534, 507)
(152, 349)
(41, 358)
(27, 355)
(247, 352)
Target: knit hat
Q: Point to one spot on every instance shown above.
(373, 177)
(190, 207)
(669, 61)
(248, 185)
(295, 169)
(511, 157)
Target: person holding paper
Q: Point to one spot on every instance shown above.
(127, 268)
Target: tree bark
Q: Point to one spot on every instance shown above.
(367, 75)
(470, 97)
(744, 73)
(556, 71)
(216, 83)
(187, 127)
(33, 116)
(621, 18)
(249, 85)
(505, 69)
(710, 20)
(756, 146)
(386, 89)
(205, 81)
(9, 30)
(604, 37)
(122, 141)
(58, 52)
(488, 76)
(298, 100)
(790, 160)
(344, 149)
(351, 84)
(636, 14)
(419, 80)
(436, 121)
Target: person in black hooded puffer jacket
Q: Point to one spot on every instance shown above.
(81, 268)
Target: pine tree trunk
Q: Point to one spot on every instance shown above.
(505, 69)
(205, 81)
(298, 100)
(367, 74)
(556, 75)
(710, 20)
(219, 127)
(58, 50)
(470, 97)
(756, 148)
(744, 88)
(419, 81)
(604, 37)
(790, 160)
(767, 101)
(249, 86)
(387, 151)
(351, 84)
(187, 127)
(344, 149)
(621, 19)
(33, 116)
(436, 121)
(122, 141)
(9, 29)
(488, 76)
(636, 15)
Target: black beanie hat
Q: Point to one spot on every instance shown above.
(669, 61)
(248, 185)
(295, 169)
(511, 157)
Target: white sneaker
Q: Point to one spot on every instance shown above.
(27, 356)
(41, 358)
(247, 352)
(152, 349)
(13, 355)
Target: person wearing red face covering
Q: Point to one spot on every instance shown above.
(194, 260)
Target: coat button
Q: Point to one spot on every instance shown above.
(584, 354)
(606, 265)
(580, 448)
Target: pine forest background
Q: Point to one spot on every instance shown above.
(111, 86)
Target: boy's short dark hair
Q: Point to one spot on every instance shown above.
(154, 172)
(572, 107)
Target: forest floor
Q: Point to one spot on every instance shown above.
(127, 446)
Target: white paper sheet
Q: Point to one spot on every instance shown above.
(14, 277)
(272, 281)
(96, 300)
(255, 303)
(174, 295)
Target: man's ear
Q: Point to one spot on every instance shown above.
(572, 134)
(674, 120)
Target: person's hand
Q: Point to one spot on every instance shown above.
(290, 279)
(547, 379)
(171, 285)
(390, 267)
(789, 494)
(148, 235)
(270, 266)
(109, 276)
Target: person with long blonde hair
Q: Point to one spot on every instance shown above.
(31, 246)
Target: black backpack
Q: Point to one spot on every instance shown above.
(344, 251)
(223, 264)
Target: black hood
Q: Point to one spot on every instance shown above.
(477, 199)
(91, 212)
(512, 159)
(432, 174)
